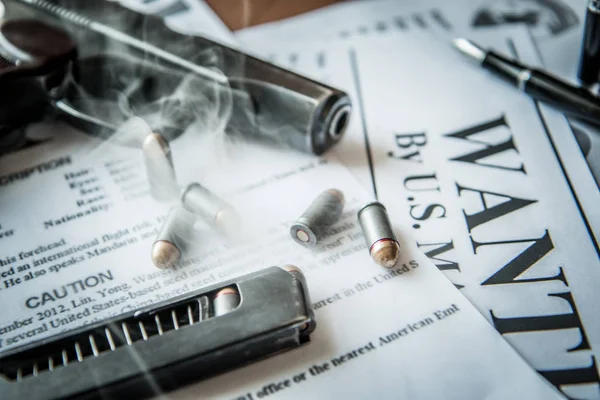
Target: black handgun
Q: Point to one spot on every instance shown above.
(128, 64)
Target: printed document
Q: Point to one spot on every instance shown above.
(473, 168)
(556, 27)
(77, 223)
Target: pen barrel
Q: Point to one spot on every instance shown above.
(572, 100)
(589, 61)
(502, 67)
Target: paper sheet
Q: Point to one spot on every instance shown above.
(377, 342)
(471, 165)
(556, 25)
(191, 17)
(77, 224)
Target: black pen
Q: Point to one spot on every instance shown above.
(570, 99)
(589, 61)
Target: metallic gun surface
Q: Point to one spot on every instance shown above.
(163, 346)
(130, 64)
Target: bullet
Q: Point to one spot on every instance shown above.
(225, 301)
(211, 209)
(322, 213)
(299, 275)
(379, 235)
(159, 168)
(172, 238)
(295, 271)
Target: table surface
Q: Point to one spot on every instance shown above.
(240, 14)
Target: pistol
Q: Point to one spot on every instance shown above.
(128, 64)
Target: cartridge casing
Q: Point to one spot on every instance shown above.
(173, 238)
(159, 168)
(303, 290)
(323, 212)
(211, 209)
(225, 301)
(379, 235)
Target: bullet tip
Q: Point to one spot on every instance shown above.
(226, 291)
(155, 145)
(165, 254)
(291, 268)
(385, 252)
(337, 193)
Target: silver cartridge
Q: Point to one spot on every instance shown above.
(303, 288)
(159, 167)
(172, 239)
(379, 235)
(225, 301)
(211, 209)
(323, 212)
